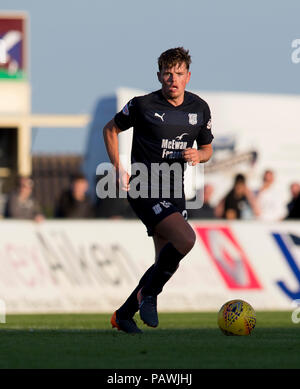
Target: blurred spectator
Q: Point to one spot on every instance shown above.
(74, 202)
(295, 191)
(239, 203)
(294, 204)
(206, 211)
(269, 205)
(295, 211)
(21, 204)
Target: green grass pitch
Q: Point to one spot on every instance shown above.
(182, 341)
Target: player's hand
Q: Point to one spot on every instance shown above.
(123, 179)
(192, 156)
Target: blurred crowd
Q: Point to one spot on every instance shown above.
(240, 203)
(73, 203)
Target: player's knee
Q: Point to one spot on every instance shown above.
(191, 240)
(188, 243)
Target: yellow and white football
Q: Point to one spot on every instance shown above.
(236, 317)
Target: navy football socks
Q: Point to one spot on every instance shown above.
(165, 267)
(131, 306)
(153, 279)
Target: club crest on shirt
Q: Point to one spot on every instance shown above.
(193, 118)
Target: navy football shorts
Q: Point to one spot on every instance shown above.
(151, 211)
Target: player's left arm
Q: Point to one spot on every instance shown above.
(200, 155)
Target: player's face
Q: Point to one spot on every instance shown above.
(174, 81)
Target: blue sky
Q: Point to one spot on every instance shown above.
(83, 50)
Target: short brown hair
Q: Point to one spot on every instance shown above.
(175, 56)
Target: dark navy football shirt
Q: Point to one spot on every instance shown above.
(162, 131)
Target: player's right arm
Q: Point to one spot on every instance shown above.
(122, 121)
(111, 140)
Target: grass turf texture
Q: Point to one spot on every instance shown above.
(182, 340)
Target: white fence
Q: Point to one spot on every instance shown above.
(92, 266)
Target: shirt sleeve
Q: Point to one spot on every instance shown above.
(205, 135)
(127, 116)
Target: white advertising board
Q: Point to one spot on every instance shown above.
(92, 266)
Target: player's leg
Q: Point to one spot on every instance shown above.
(144, 209)
(178, 238)
(130, 306)
(159, 243)
(176, 230)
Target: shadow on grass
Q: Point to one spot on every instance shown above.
(150, 331)
(155, 348)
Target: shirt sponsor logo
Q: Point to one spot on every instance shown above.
(169, 145)
(173, 144)
(208, 126)
(179, 137)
